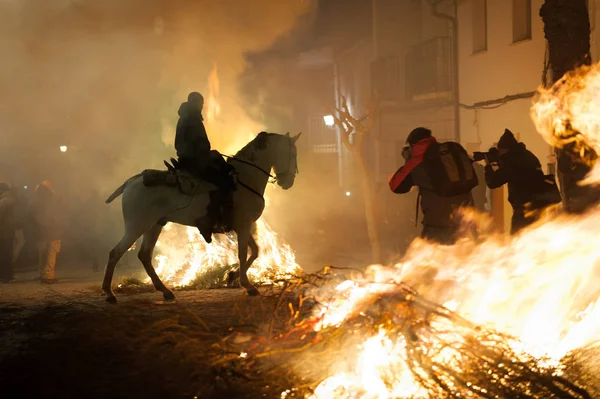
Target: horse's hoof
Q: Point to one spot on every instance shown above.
(168, 295)
(252, 292)
(232, 277)
(111, 299)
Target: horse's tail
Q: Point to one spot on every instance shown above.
(120, 190)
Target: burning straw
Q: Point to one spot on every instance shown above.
(394, 344)
(184, 259)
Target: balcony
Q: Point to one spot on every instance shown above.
(322, 138)
(386, 78)
(429, 70)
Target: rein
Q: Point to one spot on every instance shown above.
(273, 178)
(247, 187)
(253, 191)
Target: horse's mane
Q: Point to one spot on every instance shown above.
(258, 143)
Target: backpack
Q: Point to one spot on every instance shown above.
(449, 169)
(548, 193)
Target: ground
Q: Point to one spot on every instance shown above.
(63, 341)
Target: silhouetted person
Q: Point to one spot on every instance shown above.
(45, 218)
(191, 140)
(522, 171)
(195, 155)
(7, 232)
(438, 223)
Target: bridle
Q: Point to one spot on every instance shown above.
(290, 166)
(272, 179)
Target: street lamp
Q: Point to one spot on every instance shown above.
(63, 148)
(329, 120)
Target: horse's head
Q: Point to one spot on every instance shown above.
(285, 159)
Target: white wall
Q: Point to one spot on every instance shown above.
(505, 68)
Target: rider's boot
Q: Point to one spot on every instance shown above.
(205, 225)
(227, 212)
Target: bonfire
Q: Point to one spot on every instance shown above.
(185, 259)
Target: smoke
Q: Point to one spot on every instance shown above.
(106, 77)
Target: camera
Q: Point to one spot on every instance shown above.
(491, 156)
(406, 153)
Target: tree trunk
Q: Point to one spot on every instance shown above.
(369, 201)
(567, 29)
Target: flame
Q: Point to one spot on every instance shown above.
(184, 255)
(541, 287)
(212, 104)
(570, 107)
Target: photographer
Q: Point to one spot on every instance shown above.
(528, 189)
(440, 196)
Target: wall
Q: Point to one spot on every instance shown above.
(505, 68)
(397, 27)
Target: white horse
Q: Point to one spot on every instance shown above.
(147, 209)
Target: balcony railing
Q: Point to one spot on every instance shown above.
(321, 138)
(386, 78)
(429, 69)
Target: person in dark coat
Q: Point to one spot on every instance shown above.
(191, 140)
(44, 210)
(7, 232)
(522, 171)
(438, 222)
(195, 156)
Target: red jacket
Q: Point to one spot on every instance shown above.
(403, 174)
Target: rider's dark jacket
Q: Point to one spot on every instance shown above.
(191, 141)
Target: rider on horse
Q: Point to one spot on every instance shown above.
(195, 156)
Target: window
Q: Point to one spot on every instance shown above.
(479, 26)
(521, 20)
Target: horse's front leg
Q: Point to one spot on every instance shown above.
(234, 275)
(243, 241)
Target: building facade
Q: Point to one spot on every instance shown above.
(502, 53)
(465, 69)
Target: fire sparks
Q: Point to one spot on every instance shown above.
(567, 114)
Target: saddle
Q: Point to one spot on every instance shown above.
(174, 176)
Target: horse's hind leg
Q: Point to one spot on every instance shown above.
(113, 258)
(145, 256)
